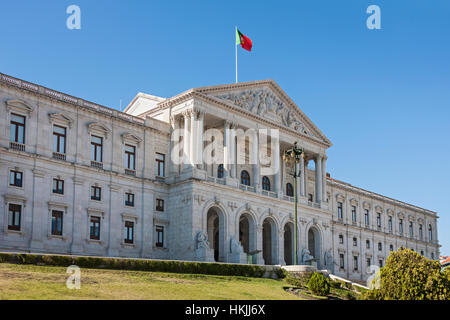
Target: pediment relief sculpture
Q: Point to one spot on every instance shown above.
(390, 212)
(378, 209)
(340, 197)
(266, 104)
(354, 202)
(366, 205)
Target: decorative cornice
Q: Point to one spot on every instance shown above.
(19, 105)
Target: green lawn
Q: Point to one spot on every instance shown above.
(45, 282)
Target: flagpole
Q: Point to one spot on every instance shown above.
(235, 45)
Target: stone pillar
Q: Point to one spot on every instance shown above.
(174, 146)
(186, 140)
(256, 169)
(201, 117)
(38, 210)
(276, 158)
(233, 162)
(194, 139)
(302, 185)
(79, 216)
(115, 228)
(324, 179)
(259, 244)
(226, 148)
(318, 182)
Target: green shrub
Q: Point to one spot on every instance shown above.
(298, 279)
(318, 284)
(138, 264)
(410, 276)
(335, 284)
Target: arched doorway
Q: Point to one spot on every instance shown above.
(289, 243)
(314, 244)
(269, 242)
(247, 232)
(216, 232)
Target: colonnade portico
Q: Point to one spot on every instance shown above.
(194, 126)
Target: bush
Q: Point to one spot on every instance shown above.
(137, 264)
(298, 280)
(318, 284)
(335, 284)
(410, 276)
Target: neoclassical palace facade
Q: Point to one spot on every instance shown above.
(81, 178)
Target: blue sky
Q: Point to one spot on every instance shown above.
(381, 96)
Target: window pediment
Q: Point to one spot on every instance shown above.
(20, 106)
(401, 215)
(60, 118)
(99, 129)
(340, 197)
(366, 205)
(411, 217)
(354, 202)
(131, 138)
(378, 209)
(390, 212)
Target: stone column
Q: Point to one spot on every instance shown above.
(318, 182)
(175, 146)
(186, 140)
(201, 117)
(324, 179)
(233, 164)
(39, 211)
(226, 148)
(256, 169)
(276, 158)
(194, 139)
(302, 185)
(259, 244)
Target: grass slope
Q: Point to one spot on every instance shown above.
(45, 282)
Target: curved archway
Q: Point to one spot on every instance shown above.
(215, 226)
(314, 244)
(245, 178)
(269, 243)
(265, 183)
(247, 234)
(289, 243)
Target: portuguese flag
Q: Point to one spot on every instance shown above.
(245, 42)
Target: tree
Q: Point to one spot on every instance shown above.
(410, 276)
(318, 284)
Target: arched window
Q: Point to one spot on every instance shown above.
(266, 183)
(430, 232)
(245, 178)
(220, 171)
(289, 190)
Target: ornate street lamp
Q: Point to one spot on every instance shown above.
(293, 155)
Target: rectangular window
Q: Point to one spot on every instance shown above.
(368, 262)
(130, 157)
(355, 263)
(379, 220)
(160, 236)
(129, 199)
(15, 178)
(310, 197)
(96, 149)
(159, 205)
(341, 261)
(58, 186)
(366, 217)
(339, 208)
(355, 242)
(95, 228)
(400, 226)
(14, 217)
(391, 248)
(367, 244)
(129, 232)
(420, 232)
(390, 223)
(160, 164)
(341, 239)
(57, 223)
(354, 214)
(96, 193)
(59, 139)
(380, 262)
(411, 229)
(17, 129)
(380, 246)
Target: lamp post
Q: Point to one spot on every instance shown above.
(294, 153)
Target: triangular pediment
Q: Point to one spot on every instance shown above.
(268, 101)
